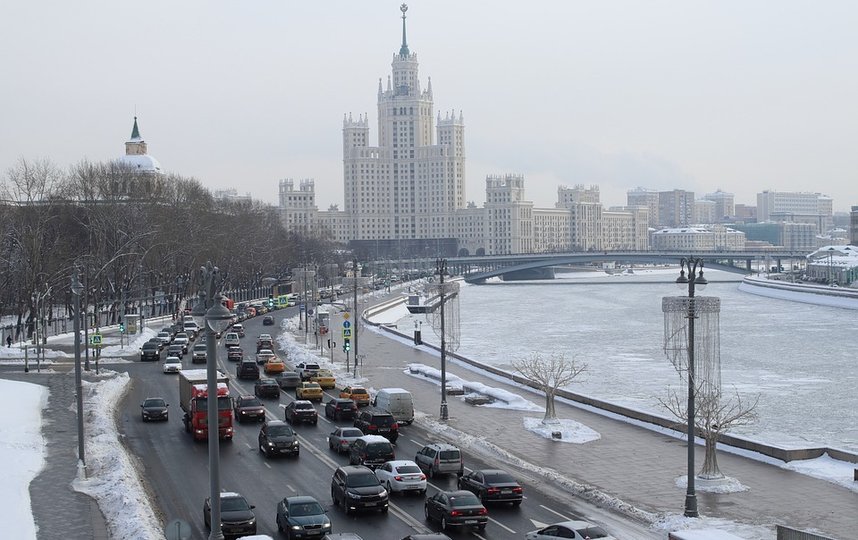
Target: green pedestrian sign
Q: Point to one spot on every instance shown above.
(95, 340)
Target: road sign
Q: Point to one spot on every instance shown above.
(309, 311)
(347, 333)
(346, 315)
(346, 324)
(95, 339)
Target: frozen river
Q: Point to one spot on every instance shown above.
(800, 358)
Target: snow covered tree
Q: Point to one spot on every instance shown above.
(549, 374)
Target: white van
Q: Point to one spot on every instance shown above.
(397, 402)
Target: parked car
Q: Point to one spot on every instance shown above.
(355, 487)
(287, 379)
(150, 352)
(154, 408)
(266, 388)
(173, 364)
(401, 475)
(492, 485)
(377, 422)
(238, 328)
(249, 408)
(278, 438)
(301, 410)
(440, 458)
(268, 320)
(358, 394)
(274, 365)
(371, 450)
(573, 529)
(309, 390)
(341, 438)
(247, 369)
(325, 378)
(234, 354)
(263, 356)
(302, 517)
(236, 515)
(456, 509)
(231, 339)
(341, 409)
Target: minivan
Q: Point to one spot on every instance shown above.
(397, 402)
(370, 451)
(247, 369)
(440, 458)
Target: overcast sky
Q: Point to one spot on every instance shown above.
(737, 95)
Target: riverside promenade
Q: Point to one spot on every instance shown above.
(636, 465)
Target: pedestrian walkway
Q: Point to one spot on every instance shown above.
(634, 464)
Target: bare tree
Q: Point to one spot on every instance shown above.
(713, 416)
(549, 374)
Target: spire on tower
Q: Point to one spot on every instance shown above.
(403, 50)
(379, 86)
(135, 132)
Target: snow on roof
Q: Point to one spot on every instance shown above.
(140, 162)
(846, 256)
(683, 230)
(374, 438)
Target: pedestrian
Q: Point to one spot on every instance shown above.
(8, 341)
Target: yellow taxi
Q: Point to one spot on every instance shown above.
(309, 390)
(274, 365)
(358, 394)
(325, 378)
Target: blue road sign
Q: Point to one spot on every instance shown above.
(346, 324)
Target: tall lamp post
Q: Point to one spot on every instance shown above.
(210, 312)
(77, 290)
(694, 266)
(442, 269)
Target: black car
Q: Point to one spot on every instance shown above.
(371, 450)
(356, 487)
(236, 515)
(492, 485)
(249, 408)
(234, 354)
(154, 409)
(268, 320)
(277, 438)
(377, 422)
(341, 408)
(302, 517)
(266, 388)
(150, 352)
(247, 369)
(301, 410)
(176, 350)
(456, 509)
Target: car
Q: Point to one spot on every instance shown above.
(309, 390)
(572, 529)
(249, 408)
(371, 450)
(377, 422)
(175, 349)
(150, 352)
(266, 387)
(274, 365)
(264, 342)
(307, 369)
(173, 364)
(492, 485)
(247, 369)
(234, 354)
(264, 356)
(199, 353)
(341, 438)
(401, 476)
(236, 515)
(277, 438)
(181, 338)
(325, 378)
(238, 328)
(301, 410)
(287, 379)
(440, 458)
(341, 408)
(302, 516)
(231, 339)
(268, 320)
(164, 337)
(456, 509)
(154, 408)
(358, 394)
(355, 487)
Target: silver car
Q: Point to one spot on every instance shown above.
(342, 438)
(173, 364)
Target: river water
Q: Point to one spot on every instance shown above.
(799, 358)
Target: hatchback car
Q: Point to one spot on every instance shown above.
(440, 458)
(268, 320)
(371, 450)
(277, 438)
(302, 517)
(231, 339)
(377, 422)
(340, 409)
(573, 529)
(266, 388)
(154, 409)
(301, 411)
(287, 379)
(401, 475)
(173, 364)
(492, 485)
(341, 438)
(236, 515)
(249, 408)
(456, 509)
(355, 487)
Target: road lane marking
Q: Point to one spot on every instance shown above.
(498, 523)
(266, 464)
(248, 445)
(418, 443)
(555, 512)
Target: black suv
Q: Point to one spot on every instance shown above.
(247, 369)
(249, 408)
(356, 487)
(236, 515)
(377, 422)
(339, 408)
(150, 351)
(301, 410)
(371, 450)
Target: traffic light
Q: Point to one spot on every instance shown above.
(121, 327)
(347, 345)
(270, 300)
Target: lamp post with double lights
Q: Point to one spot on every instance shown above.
(695, 278)
(77, 290)
(210, 313)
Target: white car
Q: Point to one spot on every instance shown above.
(173, 364)
(401, 475)
(231, 339)
(577, 530)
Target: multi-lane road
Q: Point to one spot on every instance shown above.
(175, 467)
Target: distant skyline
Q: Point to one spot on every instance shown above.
(699, 96)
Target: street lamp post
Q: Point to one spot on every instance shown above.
(210, 312)
(694, 278)
(77, 290)
(442, 269)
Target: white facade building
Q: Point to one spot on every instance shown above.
(698, 239)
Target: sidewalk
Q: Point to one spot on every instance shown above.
(634, 464)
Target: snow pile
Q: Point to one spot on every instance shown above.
(678, 522)
(21, 444)
(726, 484)
(571, 431)
(502, 398)
(827, 468)
(131, 347)
(112, 477)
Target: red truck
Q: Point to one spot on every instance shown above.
(193, 398)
